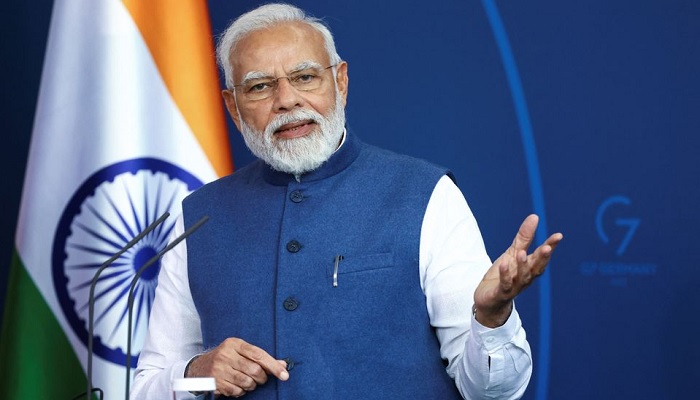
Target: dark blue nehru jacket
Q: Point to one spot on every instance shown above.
(262, 269)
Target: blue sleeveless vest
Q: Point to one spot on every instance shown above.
(323, 273)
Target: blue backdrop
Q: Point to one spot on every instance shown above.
(581, 111)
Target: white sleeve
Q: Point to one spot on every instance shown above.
(174, 333)
(484, 362)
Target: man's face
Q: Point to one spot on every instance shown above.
(277, 52)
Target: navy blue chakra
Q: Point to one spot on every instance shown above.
(108, 210)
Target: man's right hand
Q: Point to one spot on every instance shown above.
(237, 366)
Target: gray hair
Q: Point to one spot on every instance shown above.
(264, 17)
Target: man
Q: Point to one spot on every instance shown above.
(331, 269)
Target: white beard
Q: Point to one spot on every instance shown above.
(298, 155)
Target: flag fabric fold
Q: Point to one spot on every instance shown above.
(128, 122)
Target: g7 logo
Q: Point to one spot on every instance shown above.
(630, 223)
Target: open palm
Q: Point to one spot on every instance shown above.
(511, 273)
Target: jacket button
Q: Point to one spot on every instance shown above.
(290, 363)
(290, 304)
(296, 196)
(293, 246)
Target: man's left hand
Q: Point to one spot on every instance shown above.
(511, 273)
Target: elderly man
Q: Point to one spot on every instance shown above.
(331, 269)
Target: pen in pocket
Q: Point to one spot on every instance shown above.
(338, 259)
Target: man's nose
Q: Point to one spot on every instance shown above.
(286, 96)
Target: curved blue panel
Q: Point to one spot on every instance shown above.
(533, 170)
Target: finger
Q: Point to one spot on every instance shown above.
(554, 239)
(542, 255)
(269, 364)
(525, 273)
(526, 233)
(230, 381)
(243, 380)
(250, 369)
(505, 277)
(229, 389)
(228, 360)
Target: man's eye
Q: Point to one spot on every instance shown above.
(305, 78)
(259, 87)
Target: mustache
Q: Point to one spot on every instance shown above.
(291, 117)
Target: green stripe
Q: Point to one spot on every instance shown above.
(38, 362)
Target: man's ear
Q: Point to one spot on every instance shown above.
(341, 80)
(231, 106)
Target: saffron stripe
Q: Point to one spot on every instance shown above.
(180, 41)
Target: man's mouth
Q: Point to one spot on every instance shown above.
(295, 129)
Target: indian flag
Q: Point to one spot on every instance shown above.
(129, 121)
